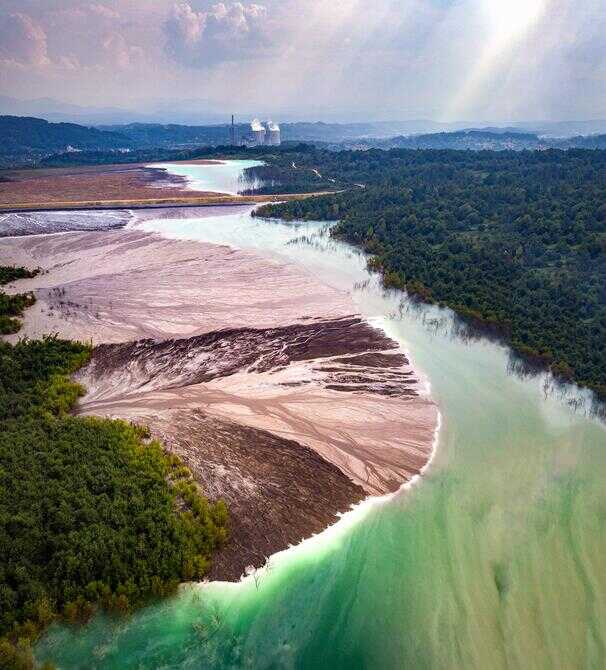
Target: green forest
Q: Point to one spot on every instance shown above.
(92, 512)
(12, 306)
(513, 241)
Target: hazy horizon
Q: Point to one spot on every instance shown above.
(188, 112)
(465, 61)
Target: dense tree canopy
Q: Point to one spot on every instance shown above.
(12, 306)
(92, 513)
(513, 240)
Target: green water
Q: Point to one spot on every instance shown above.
(496, 558)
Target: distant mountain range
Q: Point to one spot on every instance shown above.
(198, 112)
(354, 135)
(493, 139)
(28, 140)
(53, 110)
(57, 111)
(175, 135)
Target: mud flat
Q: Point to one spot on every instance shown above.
(279, 398)
(114, 188)
(102, 182)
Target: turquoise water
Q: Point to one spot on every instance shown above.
(224, 177)
(495, 558)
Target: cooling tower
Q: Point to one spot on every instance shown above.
(273, 133)
(258, 132)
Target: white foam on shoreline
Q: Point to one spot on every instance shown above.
(357, 512)
(331, 534)
(381, 323)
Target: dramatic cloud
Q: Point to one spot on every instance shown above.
(99, 38)
(22, 40)
(225, 32)
(486, 60)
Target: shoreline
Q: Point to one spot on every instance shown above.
(52, 187)
(212, 200)
(307, 405)
(115, 187)
(343, 521)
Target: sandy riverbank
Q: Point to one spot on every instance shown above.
(278, 398)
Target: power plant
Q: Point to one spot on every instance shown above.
(272, 136)
(259, 134)
(263, 134)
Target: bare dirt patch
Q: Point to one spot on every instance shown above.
(90, 183)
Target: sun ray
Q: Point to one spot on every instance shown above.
(507, 22)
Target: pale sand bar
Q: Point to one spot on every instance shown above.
(125, 285)
(258, 375)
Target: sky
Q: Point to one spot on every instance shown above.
(343, 59)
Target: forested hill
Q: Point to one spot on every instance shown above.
(476, 140)
(479, 140)
(514, 240)
(27, 138)
(33, 141)
(584, 142)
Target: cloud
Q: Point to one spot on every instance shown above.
(22, 40)
(316, 58)
(120, 52)
(226, 32)
(69, 39)
(98, 37)
(104, 11)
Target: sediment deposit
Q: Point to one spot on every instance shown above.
(96, 182)
(280, 399)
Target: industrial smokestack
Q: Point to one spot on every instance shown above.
(273, 134)
(232, 132)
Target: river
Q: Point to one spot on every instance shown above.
(494, 558)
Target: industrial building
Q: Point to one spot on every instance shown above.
(258, 132)
(272, 135)
(268, 134)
